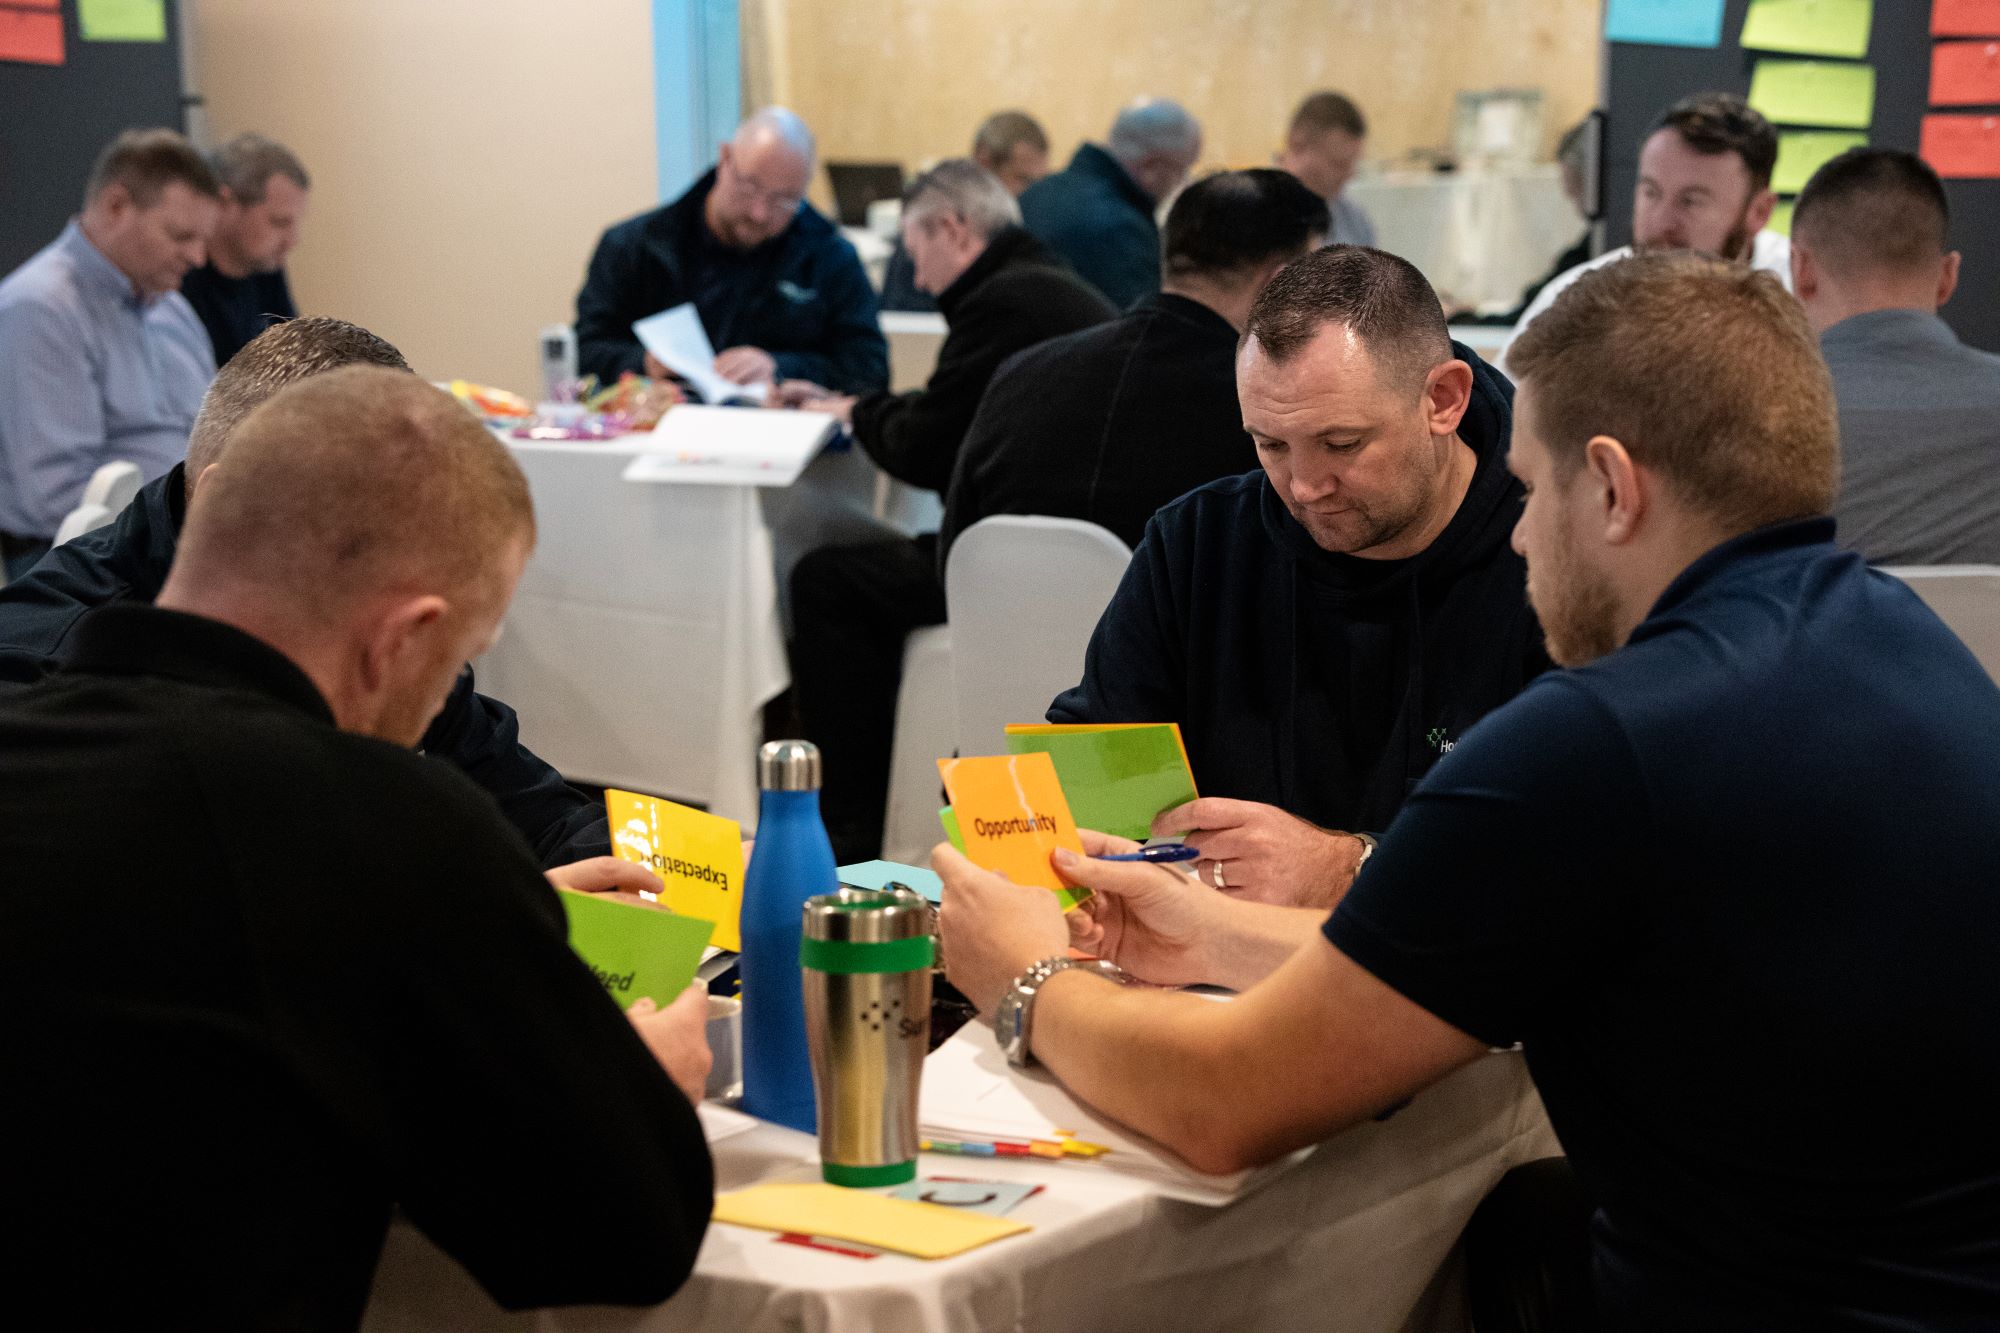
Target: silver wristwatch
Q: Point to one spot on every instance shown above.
(1016, 1011)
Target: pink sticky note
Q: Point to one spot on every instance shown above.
(33, 36)
(1964, 147)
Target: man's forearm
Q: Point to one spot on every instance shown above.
(1254, 939)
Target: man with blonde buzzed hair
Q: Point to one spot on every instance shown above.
(780, 292)
(127, 561)
(343, 986)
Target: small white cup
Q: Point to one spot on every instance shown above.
(725, 1043)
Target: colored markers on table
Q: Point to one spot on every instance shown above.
(1053, 1149)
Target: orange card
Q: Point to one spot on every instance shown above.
(1965, 74)
(1012, 813)
(1963, 147)
(1965, 18)
(33, 37)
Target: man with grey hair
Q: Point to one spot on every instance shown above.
(777, 287)
(241, 290)
(1001, 291)
(1014, 147)
(1098, 211)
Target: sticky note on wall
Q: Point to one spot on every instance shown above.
(1012, 814)
(1814, 92)
(1802, 152)
(1965, 18)
(1962, 147)
(1965, 74)
(1810, 27)
(698, 857)
(1664, 22)
(32, 37)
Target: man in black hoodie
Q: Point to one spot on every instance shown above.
(1324, 629)
(1001, 291)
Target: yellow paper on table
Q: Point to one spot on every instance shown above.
(1012, 813)
(698, 857)
(925, 1230)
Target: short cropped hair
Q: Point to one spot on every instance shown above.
(353, 483)
(1002, 132)
(246, 164)
(1231, 223)
(1716, 123)
(960, 185)
(1324, 111)
(1382, 299)
(145, 162)
(1153, 125)
(281, 355)
(1706, 371)
(1874, 210)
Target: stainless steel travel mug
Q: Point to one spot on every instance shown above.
(865, 957)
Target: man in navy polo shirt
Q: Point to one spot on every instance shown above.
(1729, 878)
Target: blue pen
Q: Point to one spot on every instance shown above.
(1163, 853)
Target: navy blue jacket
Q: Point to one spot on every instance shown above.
(128, 562)
(1320, 683)
(801, 296)
(1094, 214)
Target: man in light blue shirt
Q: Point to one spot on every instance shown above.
(1323, 147)
(101, 359)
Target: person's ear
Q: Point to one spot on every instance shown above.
(1619, 486)
(1948, 276)
(1447, 394)
(1805, 272)
(400, 637)
(1762, 205)
(202, 480)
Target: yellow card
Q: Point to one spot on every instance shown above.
(1012, 813)
(926, 1230)
(698, 857)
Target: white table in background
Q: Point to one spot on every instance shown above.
(645, 637)
(1480, 235)
(1360, 1236)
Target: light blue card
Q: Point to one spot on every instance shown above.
(878, 874)
(1665, 22)
(996, 1198)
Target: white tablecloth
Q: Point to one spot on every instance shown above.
(1356, 1237)
(1480, 235)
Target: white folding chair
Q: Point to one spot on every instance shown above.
(926, 729)
(1967, 599)
(1023, 594)
(105, 496)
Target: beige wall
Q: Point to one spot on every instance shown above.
(908, 79)
(465, 156)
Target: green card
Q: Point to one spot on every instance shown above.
(634, 947)
(122, 20)
(1810, 27)
(949, 818)
(1802, 152)
(1814, 92)
(1117, 778)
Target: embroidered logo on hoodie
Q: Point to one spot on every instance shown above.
(794, 293)
(1438, 742)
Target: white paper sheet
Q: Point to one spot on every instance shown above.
(732, 446)
(676, 338)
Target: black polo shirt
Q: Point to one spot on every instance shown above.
(266, 980)
(1737, 887)
(235, 310)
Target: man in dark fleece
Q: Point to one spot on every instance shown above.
(1324, 629)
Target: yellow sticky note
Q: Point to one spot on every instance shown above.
(1814, 92)
(698, 857)
(1802, 152)
(925, 1230)
(1012, 813)
(1810, 27)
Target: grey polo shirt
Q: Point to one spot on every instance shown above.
(1919, 440)
(90, 373)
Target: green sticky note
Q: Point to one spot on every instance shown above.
(1802, 152)
(1781, 218)
(1814, 92)
(1116, 779)
(949, 818)
(634, 947)
(123, 20)
(1810, 27)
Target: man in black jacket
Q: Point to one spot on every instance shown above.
(128, 560)
(1323, 630)
(1000, 291)
(1111, 423)
(853, 605)
(1098, 211)
(314, 977)
(779, 289)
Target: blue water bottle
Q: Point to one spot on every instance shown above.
(792, 861)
